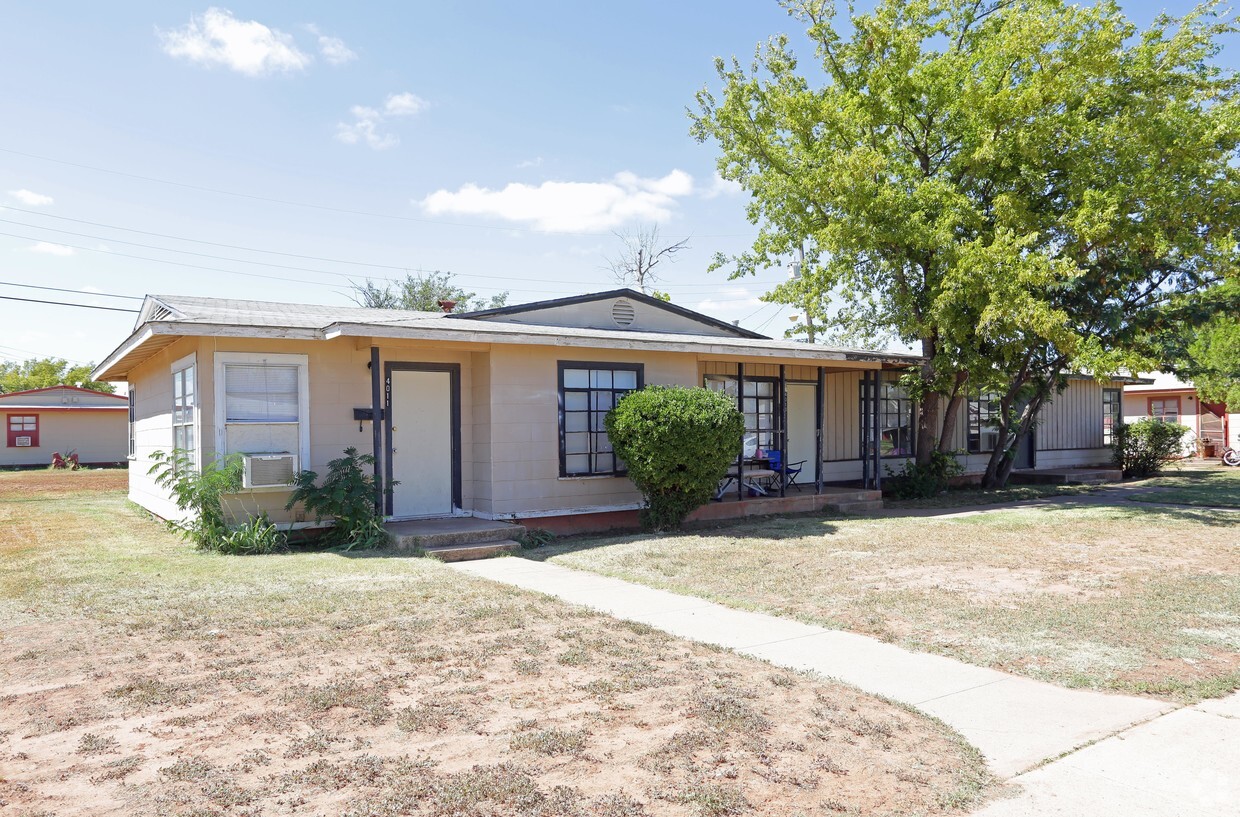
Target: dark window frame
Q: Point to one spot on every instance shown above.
(889, 380)
(979, 407)
(598, 365)
(1112, 410)
(773, 433)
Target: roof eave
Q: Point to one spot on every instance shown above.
(700, 344)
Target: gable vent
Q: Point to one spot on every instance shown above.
(623, 313)
(158, 313)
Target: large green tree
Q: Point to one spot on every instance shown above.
(39, 373)
(422, 292)
(1018, 188)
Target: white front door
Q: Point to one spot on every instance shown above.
(802, 428)
(421, 443)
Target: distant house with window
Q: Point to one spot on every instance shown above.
(63, 420)
(1166, 397)
(499, 413)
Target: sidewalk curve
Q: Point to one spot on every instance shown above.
(1017, 723)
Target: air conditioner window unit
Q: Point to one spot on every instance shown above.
(268, 470)
(22, 442)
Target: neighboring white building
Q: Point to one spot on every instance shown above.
(1171, 399)
(64, 420)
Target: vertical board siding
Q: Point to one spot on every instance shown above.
(1073, 418)
(841, 430)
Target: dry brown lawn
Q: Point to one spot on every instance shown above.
(138, 676)
(1132, 598)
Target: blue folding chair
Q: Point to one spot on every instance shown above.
(787, 473)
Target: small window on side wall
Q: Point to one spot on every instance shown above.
(587, 392)
(23, 431)
(133, 419)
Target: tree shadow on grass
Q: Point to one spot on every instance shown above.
(759, 529)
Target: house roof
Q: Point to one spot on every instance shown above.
(164, 319)
(1159, 381)
(612, 294)
(27, 400)
(121, 397)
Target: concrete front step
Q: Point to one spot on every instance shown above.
(428, 534)
(1067, 476)
(466, 553)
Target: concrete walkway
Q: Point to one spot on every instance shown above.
(1017, 723)
(1186, 763)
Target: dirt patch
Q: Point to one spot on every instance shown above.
(990, 583)
(44, 482)
(149, 679)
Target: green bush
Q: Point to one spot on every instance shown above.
(1142, 448)
(915, 481)
(677, 442)
(200, 492)
(348, 496)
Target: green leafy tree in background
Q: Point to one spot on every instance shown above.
(1018, 188)
(41, 373)
(423, 292)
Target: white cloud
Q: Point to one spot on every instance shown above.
(535, 162)
(245, 46)
(720, 186)
(333, 49)
(366, 121)
(31, 198)
(569, 206)
(405, 104)
(52, 249)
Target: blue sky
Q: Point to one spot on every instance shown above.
(500, 141)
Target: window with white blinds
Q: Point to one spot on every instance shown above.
(260, 393)
(261, 404)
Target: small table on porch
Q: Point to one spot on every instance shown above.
(749, 477)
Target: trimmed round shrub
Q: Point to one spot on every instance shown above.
(1144, 447)
(678, 443)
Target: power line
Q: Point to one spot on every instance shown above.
(329, 209)
(349, 277)
(36, 355)
(63, 303)
(75, 291)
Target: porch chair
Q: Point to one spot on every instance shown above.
(788, 472)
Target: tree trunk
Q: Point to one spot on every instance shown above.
(1004, 449)
(947, 437)
(927, 407)
(1028, 417)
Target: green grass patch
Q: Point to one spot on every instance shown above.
(1218, 488)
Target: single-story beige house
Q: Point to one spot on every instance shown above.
(1164, 396)
(63, 420)
(498, 413)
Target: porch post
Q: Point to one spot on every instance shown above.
(819, 410)
(878, 433)
(376, 417)
(740, 406)
(783, 426)
(865, 428)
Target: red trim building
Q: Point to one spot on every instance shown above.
(63, 420)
